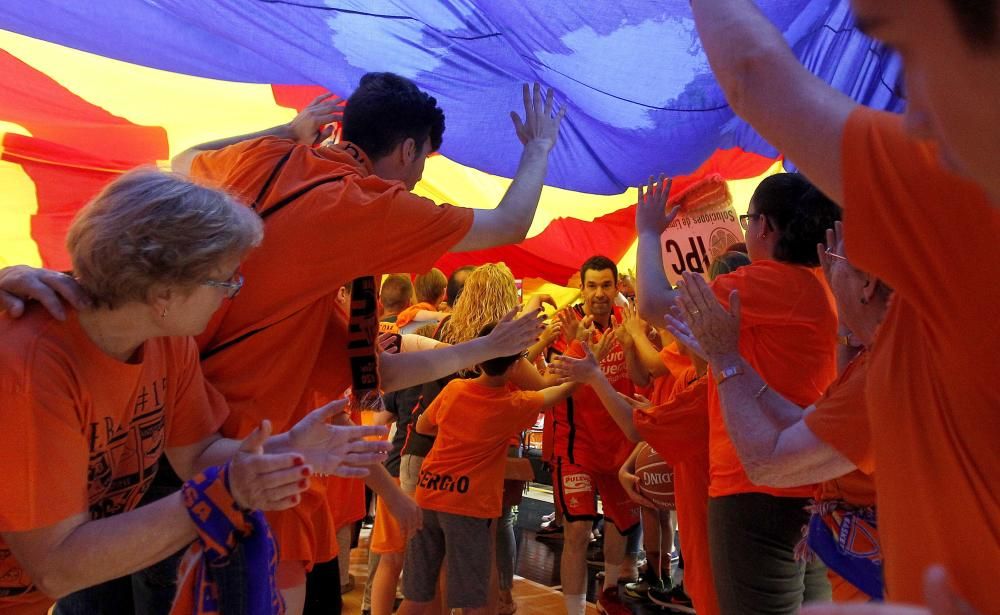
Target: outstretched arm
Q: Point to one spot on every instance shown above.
(509, 222)
(587, 371)
(774, 443)
(311, 126)
(767, 86)
(510, 336)
(654, 293)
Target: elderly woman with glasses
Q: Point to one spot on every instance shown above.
(92, 402)
(781, 445)
(788, 334)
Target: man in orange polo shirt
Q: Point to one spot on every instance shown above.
(320, 205)
(921, 200)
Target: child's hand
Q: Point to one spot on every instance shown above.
(630, 482)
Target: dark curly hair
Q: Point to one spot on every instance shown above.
(387, 109)
(977, 21)
(799, 212)
(598, 263)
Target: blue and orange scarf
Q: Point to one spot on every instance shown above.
(846, 538)
(230, 569)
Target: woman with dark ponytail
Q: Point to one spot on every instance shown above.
(788, 333)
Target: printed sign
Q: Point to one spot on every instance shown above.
(698, 236)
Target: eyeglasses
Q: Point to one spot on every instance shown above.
(232, 286)
(834, 255)
(746, 218)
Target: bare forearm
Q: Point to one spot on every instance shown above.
(654, 294)
(510, 221)
(766, 85)
(98, 551)
(761, 49)
(182, 162)
(649, 357)
(754, 415)
(519, 203)
(801, 458)
(637, 372)
(399, 371)
(619, 409)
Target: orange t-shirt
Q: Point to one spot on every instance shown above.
(788, 334)
(81, 431)
(675, 361)
(840, 419)
(933, 397)
(312, 246)
(308, 532)
(463, 474)
(678, 430)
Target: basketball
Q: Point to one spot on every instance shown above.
(656, 478)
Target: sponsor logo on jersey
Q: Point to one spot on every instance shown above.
(576, 483)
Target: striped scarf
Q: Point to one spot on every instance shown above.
(230, 569)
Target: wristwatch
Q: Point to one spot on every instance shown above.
(728, 372)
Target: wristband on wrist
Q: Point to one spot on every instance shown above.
(728, 372)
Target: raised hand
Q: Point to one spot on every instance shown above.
(601, 347)
(835, 244)
(259, 481)
(631, 321)
(585, 370)
(585, 332)
(388, 342)
(539, 126)
(679, 328)
(513, 335)
(537, 300)
(651, 212)
(569, 323)
(717, 330)
(314, 124)
(338, 449)
(21, 283)
(552, 332)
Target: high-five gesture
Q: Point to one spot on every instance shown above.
(314, 124)
(337, 449)
(540, 125)
(651, 213)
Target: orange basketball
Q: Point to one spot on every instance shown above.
(656, 478)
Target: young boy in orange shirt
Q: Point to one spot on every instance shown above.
(461, 482)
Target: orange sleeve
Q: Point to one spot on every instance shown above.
(898, 223)
(416, 231)
(43, 451)
(840, 417)
(216, 167)
(529, 404)
(199, 410)
(677, 429)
